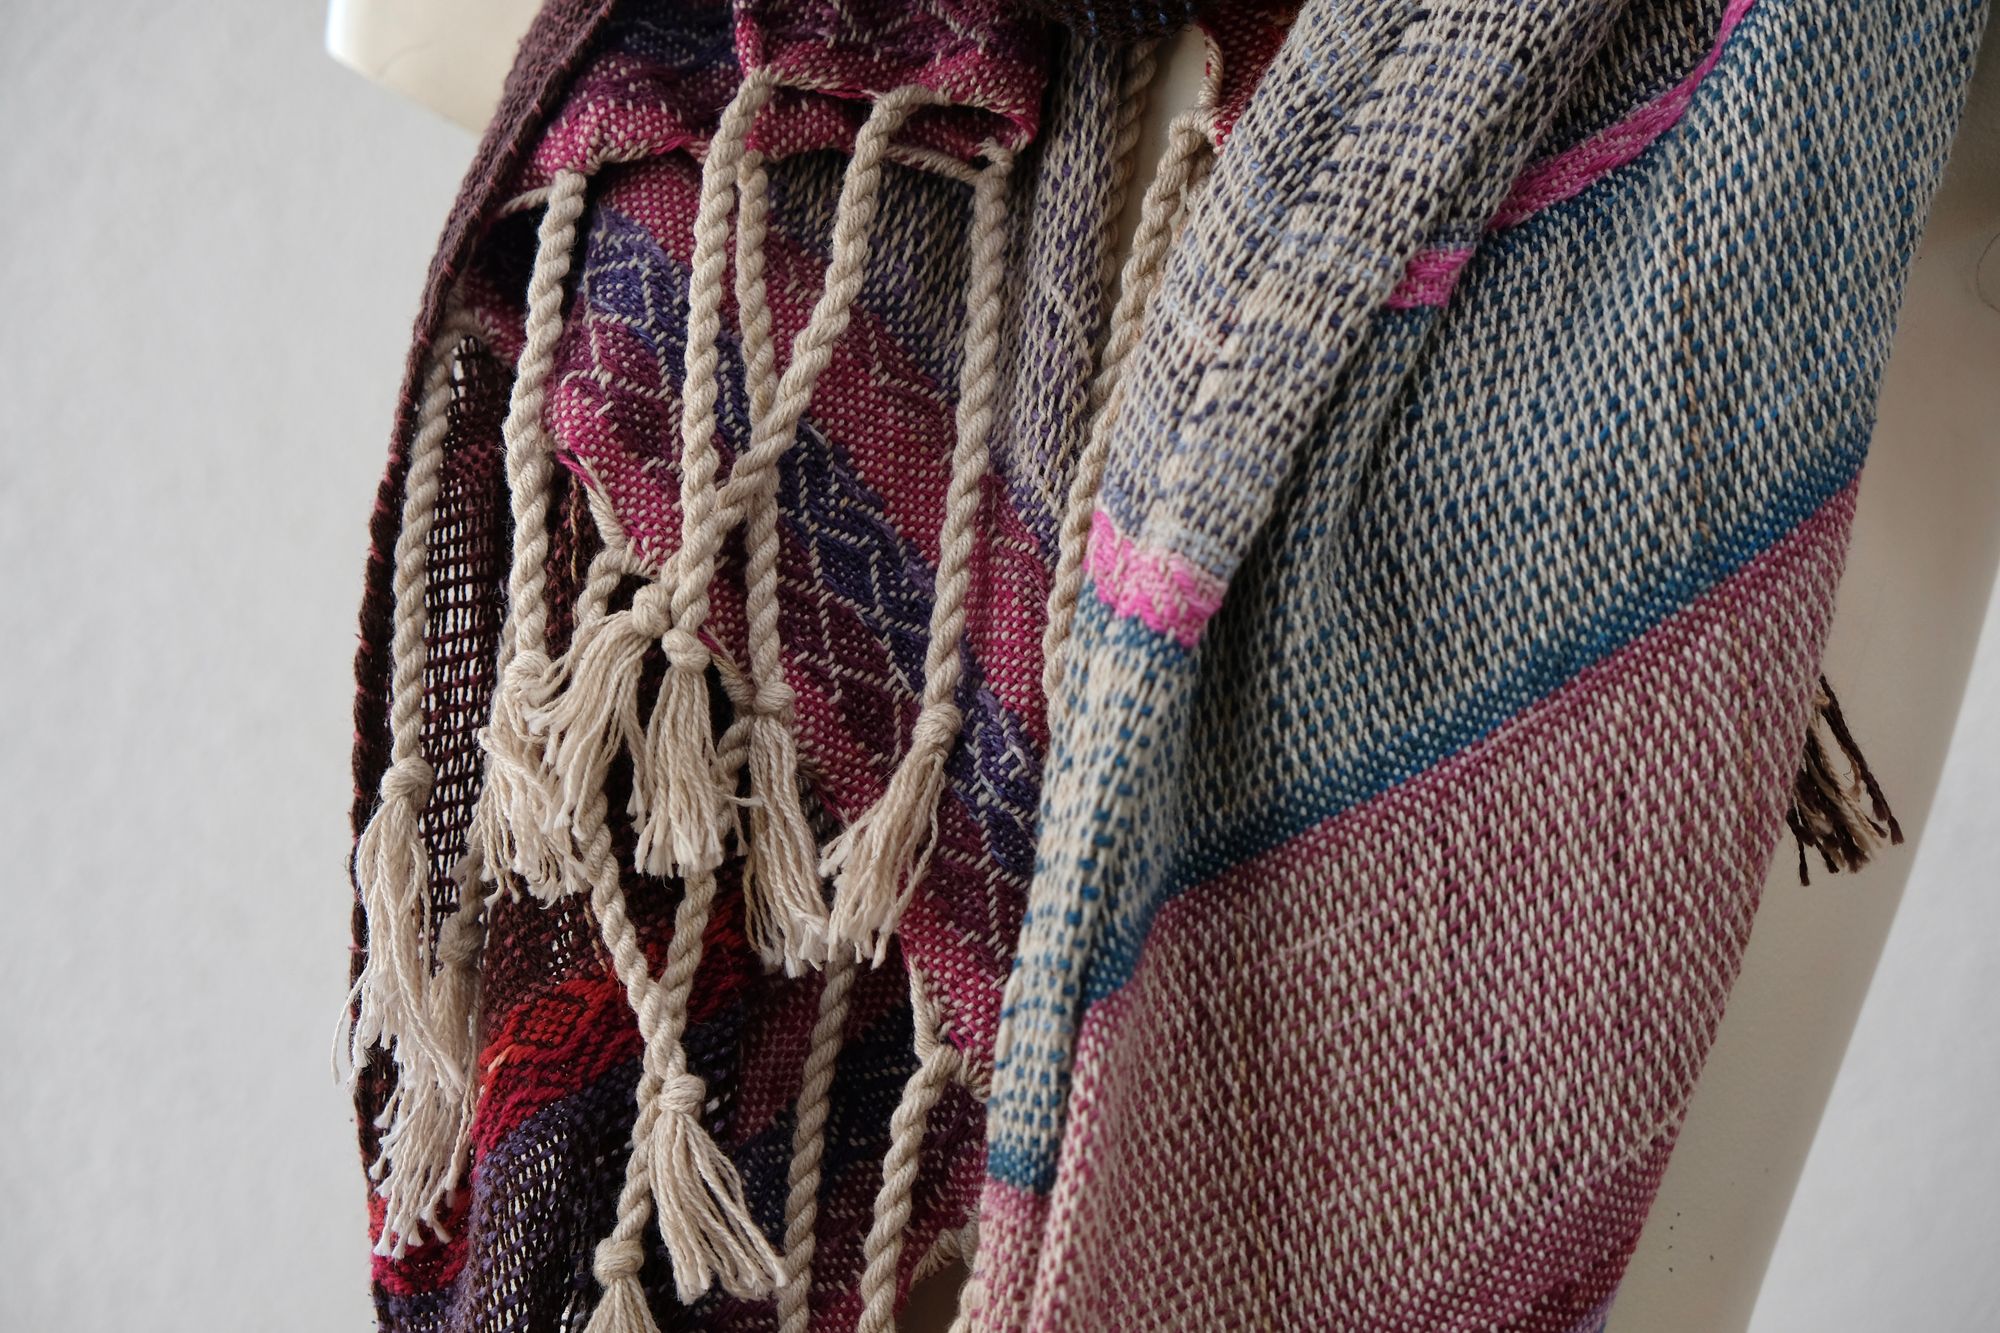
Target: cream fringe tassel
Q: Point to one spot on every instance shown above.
(513, 824)
(676, 1167)
(681, 812)
(424, 1019)
(559, 726)
(675, 1170)
(786, 910)
(878, 860)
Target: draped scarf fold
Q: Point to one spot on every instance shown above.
(1219, 784)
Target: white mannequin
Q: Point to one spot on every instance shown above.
(1926, 545)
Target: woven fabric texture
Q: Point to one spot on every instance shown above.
(1227, 795)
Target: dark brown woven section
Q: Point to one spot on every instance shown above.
(551, 49)
(464, 605)
(1121, 20)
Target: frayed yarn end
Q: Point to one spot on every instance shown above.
(515, 824)
(1844, 817)
(703, 1218)
(392, 872)
(878, 861)
(683, 816)
(426, 1141)
(782, 886)
(590, 713)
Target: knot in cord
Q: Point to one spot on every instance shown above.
(652, 609)
(928, 1039)
(618, 1257)
(458, 938)
(773, 697)
(684, 651)
(936, 729)
(408, 780)
(528, 674)
(681, 1093)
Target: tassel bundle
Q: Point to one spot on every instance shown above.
(1846, 819)
(422, 1019)
(560, 726)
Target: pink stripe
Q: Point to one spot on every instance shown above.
(1010, 1236)
(1414, 1036)
(1568, 173)
(1164, 589)
(1432, 273)
(1429, 278)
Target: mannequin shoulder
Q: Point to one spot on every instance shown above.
(449, 55)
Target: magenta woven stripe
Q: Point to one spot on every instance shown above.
(1415, 925)
(1164, 589)
(1574, 170)
(1429, 278)
(1433, 273)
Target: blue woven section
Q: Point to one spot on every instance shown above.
(1630, 397)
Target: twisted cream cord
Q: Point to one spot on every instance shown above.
(812, 346)
(1142, 65)
(881, 857)
(809, 1146)
(675, 1167)
(511, 823)
(701, 534)
(939, 1064)
(786, 912)
(1181, 171)
(530, 453)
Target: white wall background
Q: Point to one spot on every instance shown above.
(1897, 1217)
(211, 248)
(211, 245)
(1896, 1221)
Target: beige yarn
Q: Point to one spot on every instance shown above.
(1182, 169)
(392, 864)
(675, 1166)
(675, 1170)
(809, 1145)
(682, 776)
(1142, 66)
(785, 907)
(590, 712)
(559, 727)
(879, 859)
(514, 821)
(423, 1021)
(680, 813)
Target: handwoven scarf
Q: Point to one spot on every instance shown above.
(1229, 792)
